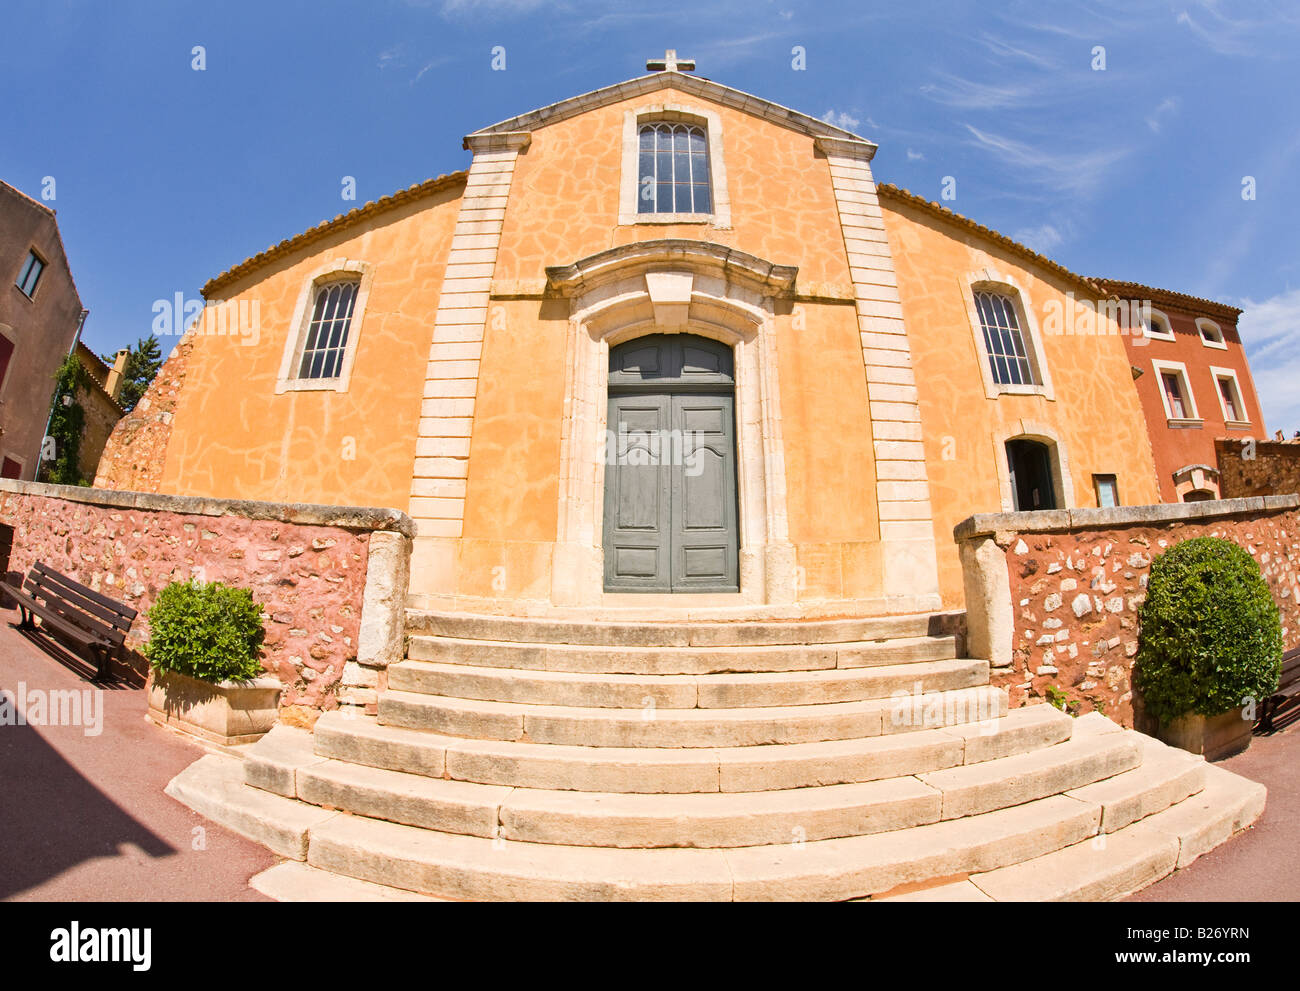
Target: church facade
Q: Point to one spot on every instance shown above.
(663, 346)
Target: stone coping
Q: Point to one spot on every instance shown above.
(1042, 521)
(369, 518)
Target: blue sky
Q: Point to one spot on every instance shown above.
(165, 176)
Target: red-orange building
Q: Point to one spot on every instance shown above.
(1194, 383)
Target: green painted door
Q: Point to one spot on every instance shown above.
(670, 467)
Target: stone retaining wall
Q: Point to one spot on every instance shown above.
(1257, 467)
(1052, 598)
(331, 580)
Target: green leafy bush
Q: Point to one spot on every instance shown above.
(1210, 634)
(208, 631)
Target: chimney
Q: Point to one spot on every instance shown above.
(117, 374)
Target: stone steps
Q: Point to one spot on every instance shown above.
(687, 633)
(684, 659)
(477, 868)
(645, 770)
(707, 819)
(294, 881)
(680, 691)
(688, 728)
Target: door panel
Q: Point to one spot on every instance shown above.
(704, 535)
(671, 517)
(637, 493)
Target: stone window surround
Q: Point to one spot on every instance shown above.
(628, 189)
(987, 279)
(1218, 375)
(680, 293)
(1216, 338)
(288, 380)
(1159, 317)
(1178, 368)
(1043, 433)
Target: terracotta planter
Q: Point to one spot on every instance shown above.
(229, 713)
(1214, 737)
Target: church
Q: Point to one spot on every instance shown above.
(513, 353)
(685, 409)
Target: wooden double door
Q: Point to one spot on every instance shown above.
(671, 518)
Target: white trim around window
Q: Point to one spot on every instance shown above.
(1165, 331)
(337, 270)
(1211, 334)
(675, 113)
(1178, 369)
(1003, 284)
(1242, 421)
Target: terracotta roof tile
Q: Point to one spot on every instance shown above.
(325, 227)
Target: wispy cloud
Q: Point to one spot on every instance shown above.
(838, 118)
(1155, 119)
(966, 94)
(1226, 39)
(1005, 49)
(1271, 332)
(915, 156)
(1068, 170)
(1042, 239)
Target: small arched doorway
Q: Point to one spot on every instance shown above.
(1033, 483)
(670, 515)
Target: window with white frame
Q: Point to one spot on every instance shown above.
(1157, 326)
(1228, 390)
(672, 166)
(32, 268)
(327, 334)
(1011, 361)
(1176, 393)
(322, 345)
(1211, 334)
(673, 169)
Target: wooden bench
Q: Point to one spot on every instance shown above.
(92, 621)
(1287, 694)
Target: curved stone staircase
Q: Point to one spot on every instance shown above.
(838, 759)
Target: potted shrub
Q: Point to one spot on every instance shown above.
(203, 652)
(1210, 648)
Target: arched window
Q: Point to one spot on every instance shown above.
(1010, 360)
(327, 334)
(321, 345)
(673, 171)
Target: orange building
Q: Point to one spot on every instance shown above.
(1195, 385)
(661, 346)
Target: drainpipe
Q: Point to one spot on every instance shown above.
(81, 322)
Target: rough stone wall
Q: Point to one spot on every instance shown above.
(1258, 469)
(136, 452)
(309, 579)
(1075, 598)
(102, 415)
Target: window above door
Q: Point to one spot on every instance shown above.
(673, 169)
(1007, 342)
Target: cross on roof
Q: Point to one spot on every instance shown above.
(671, 63)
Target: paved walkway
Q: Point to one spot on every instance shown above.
(1260, 864)
(84, 818)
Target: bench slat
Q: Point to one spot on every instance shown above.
(54, 599)
(71, 593)
(112, 610)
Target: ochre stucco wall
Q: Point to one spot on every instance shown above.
(232, 436)
(565, 196)
(1096, 414)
